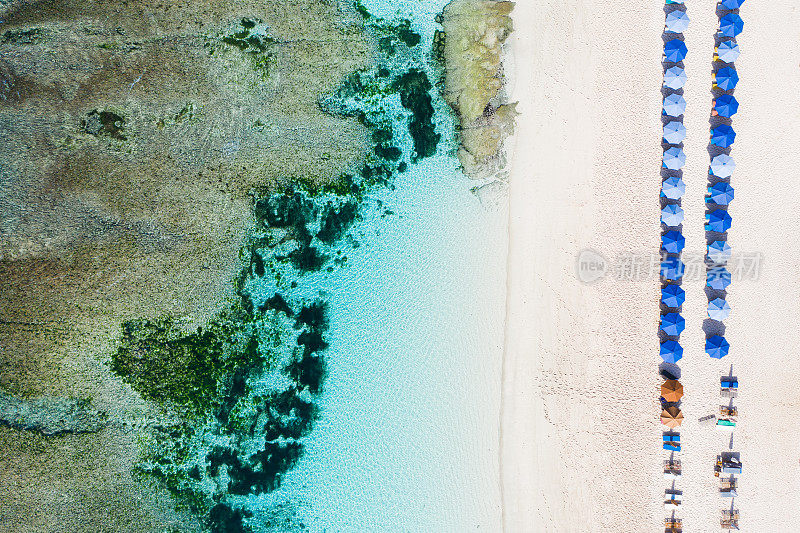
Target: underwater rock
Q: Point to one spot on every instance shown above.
(50, 416)
(472, 49)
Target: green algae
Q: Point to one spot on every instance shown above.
(414, 88)
(167, 366)
(105, 123)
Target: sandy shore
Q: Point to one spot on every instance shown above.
(581, 438)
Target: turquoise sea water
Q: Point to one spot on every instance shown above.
(356, 385)
(407, 439)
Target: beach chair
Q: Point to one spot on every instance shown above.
(729, 387)
(729, 524)
(727, 488)
(673, 525)
(728, 514)
(672, 442)
(672, 469)
(672, 504)
(726, 425)
(728, 412)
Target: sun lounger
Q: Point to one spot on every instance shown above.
(729, 383)
(726, 425)
(728, 412)
(731, 469)
(728, 493)
(729, 393)
(730, 515)
(672, 504)
(672, 469)
(729, 524)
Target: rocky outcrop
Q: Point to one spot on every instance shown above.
(472, 50)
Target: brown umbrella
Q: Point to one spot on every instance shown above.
(671, 417)
(672, 390)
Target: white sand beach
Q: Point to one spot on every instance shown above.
(581, 443)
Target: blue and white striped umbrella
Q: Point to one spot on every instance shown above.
(723, 136)
(718, 309)
(673, 188)
(719, 252)
(718, 278)
(674, 158)
(672, 215)
(672, 324)
(720, 193)
(722, 166)
(674, 132)
(731, 25)
(677, 21)
(673, 296)
(672, 268)
(719, 221)
(674, 105)
(670, 351)
(726, 79)
(732, 4)
(728, 51)
(673, 242)
(717, 347)
(674, 78)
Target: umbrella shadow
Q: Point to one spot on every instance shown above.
(669, 370)
(713, 327)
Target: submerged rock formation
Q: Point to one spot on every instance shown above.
(472, 50)
(50, 416)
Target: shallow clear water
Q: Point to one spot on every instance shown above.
(407, 438)
(408, 435)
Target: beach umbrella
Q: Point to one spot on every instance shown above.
(673, 296)
(720, 193)
(670, 352)
(674, 132)
(719, 252)
(725, 105)
(675, 50)
(673, 188)
(672, 215)
(672, 390)
(673, 242)
(674, 105)
(723, 136)
(732, 4)
(677, 21)
(672, 268)
(718, 278)
(672, 323)
(717, 347)
(731, 25)
(719, 221)
(674, 77)
(727, 51)
(718, 309)
(671, 417)
(722, 166)
(674, 158)
(726, 79)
